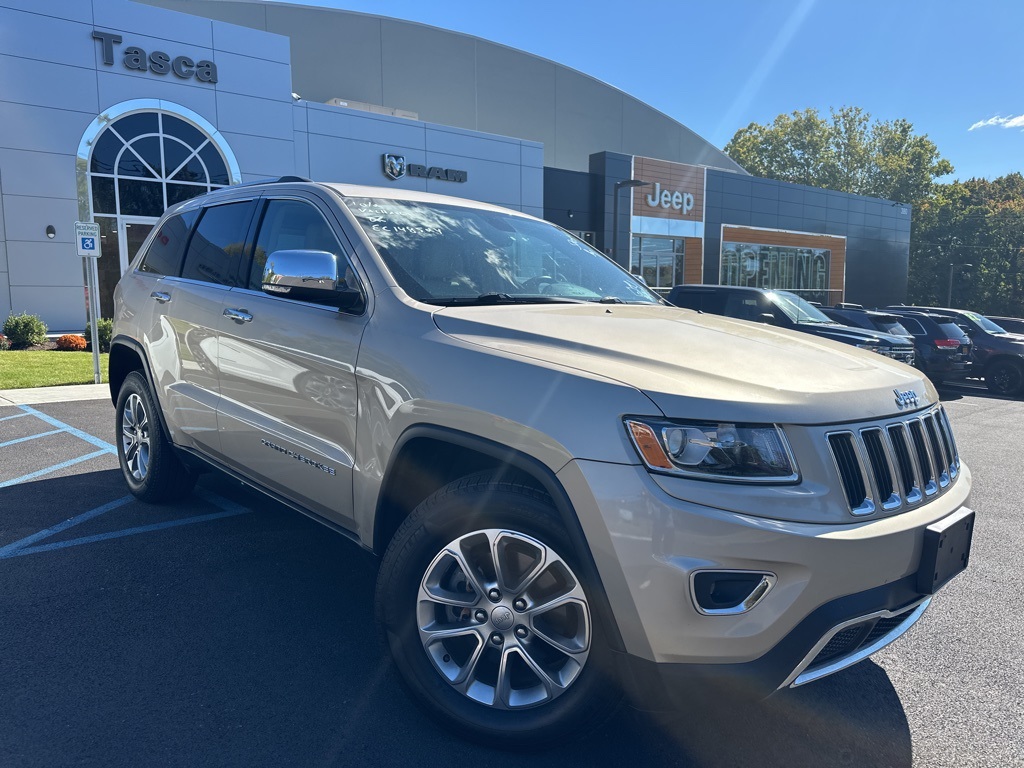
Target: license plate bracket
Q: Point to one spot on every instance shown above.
(946, 550)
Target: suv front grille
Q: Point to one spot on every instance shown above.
(895, 464)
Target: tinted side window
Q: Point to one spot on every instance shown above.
(913, 326)
(167, 248)
(291, 225)
(686, 299)
(218, 242)
(745, 307)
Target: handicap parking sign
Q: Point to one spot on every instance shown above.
(87, 235)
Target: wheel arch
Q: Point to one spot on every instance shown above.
(127, 355)
(428, 457)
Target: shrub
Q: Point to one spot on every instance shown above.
(71, 342)
(105, 329)
(4, 343)
(25, 330)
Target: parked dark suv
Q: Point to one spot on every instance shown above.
(943, 350)
(873, 320)
(785, 310)
(998, 355)
(1009, 324)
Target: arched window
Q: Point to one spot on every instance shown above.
(144, 162)
(136, 160)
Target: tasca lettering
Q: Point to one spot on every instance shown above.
(663, 198)
(159, 63)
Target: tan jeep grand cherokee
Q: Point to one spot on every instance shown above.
(577, 490)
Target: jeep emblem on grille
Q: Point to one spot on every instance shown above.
(903, 399)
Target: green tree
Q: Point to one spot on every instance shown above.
(977, 222)
(847, 152)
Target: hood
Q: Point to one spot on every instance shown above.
(694, 365)
(848, 334)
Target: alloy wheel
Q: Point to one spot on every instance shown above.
(135, 440)
(504, 619)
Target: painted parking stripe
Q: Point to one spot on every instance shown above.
(54, 468)
(107, 447)
(30, 437)
(15, 416)
(24, 546)
(10, 549)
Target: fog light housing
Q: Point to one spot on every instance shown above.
(729, 593)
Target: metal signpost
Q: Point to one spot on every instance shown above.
(87, 238)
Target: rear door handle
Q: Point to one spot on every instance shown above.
(160, 296)
(238, 315)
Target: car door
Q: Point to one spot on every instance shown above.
(186, 314)
(287, 370)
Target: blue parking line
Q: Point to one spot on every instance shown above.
(123, 532)
(30, 437)
(107, 447)
(24, 546)
(54, 468)
(10, 550)
(15, 416)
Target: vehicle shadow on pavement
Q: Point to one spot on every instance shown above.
(250, 640)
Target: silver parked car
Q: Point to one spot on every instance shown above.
(578, 491)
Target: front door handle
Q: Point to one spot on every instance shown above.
(160, 296)
(238, 315)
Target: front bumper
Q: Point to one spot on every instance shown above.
(835, 584)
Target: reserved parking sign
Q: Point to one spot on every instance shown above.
(87, 238)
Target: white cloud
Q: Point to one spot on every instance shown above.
(1016, 121)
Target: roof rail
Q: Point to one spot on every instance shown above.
(848, 305)
(279, 180)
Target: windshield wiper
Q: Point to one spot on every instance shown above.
(499, 298)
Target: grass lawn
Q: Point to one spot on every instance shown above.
(47, 368)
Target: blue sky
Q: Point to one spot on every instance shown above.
(717, 65)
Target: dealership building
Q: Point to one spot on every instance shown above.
(113, 110)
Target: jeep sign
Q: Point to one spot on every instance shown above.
(663, 198)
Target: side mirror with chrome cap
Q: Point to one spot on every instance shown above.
(309, 276)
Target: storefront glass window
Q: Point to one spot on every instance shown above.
(803, 271)
(658, 259)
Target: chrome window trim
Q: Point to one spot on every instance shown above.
(799, 677)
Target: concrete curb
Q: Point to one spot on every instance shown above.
(66, 394)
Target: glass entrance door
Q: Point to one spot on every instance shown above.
(133, 231)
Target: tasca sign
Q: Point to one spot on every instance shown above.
(157, 62)
(395, 168)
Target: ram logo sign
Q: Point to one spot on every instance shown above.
(395, 168)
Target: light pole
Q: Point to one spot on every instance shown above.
(949, 294)
(619, 186)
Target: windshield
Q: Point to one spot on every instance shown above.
(984, 322)
(448, 254)
(797, 309)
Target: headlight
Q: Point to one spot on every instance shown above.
(742, 453)
(869, 347)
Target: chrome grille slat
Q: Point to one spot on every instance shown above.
(896, 463)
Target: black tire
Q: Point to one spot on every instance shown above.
(483, 505)
(153, 472)
(1005, 377)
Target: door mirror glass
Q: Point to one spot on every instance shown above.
(309, 276)
(767, 317)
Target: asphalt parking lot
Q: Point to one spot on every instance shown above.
(228, 630)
